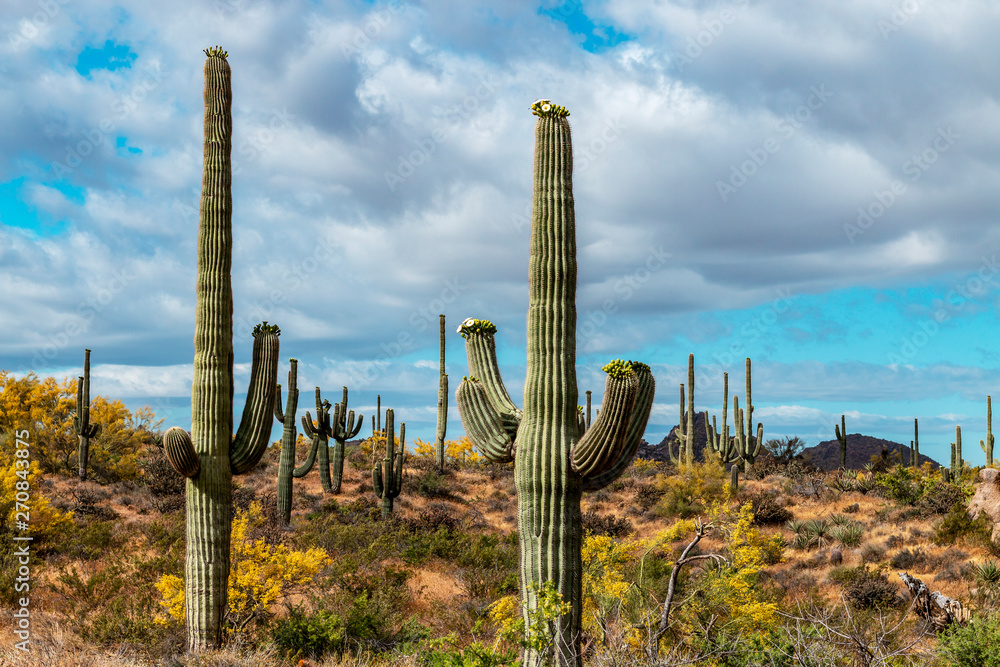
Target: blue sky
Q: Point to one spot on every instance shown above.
(813, 186)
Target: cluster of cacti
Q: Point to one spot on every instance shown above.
(442, 413)
(289, 434)
(210, 455)
(387, 476)
(685, 428)
(987, 444)
(81, 421)
(841, 432)
(341, 429)
(553, 459)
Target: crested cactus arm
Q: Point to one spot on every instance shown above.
(480, 348)
(482, 423)
(645, 390)
(254, 432)
(595, 452)
(179, 450)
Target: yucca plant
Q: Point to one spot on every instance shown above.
(849, 534)
(795, 525)
(987, 573)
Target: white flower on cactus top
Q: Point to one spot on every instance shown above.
(545, 108)
(472, 325)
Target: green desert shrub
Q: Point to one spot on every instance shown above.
(973, 644)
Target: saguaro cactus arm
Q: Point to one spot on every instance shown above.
(482, 422)
(595, 452)
(254, 433)
(638, 418)
(180, 453)
(480, 348)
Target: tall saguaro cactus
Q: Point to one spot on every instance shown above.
(289, 434)
(746, 449)
(841, 432)
(987, 444)
(442, 414)
(915, 446)
(81, 421)
(387, 476)
(554, 460)
(210, 455)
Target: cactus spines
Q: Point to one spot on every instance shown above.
(81, 421)
(841, 432)
(220, 455)
(286, 463)
(387, 476)
(552, 460)
(987, 444)
(442, 413)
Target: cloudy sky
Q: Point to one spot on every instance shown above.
(813, 185)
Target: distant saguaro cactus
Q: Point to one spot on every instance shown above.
(987, 444)
(210, 455)
(81, 421)
(841, 432)
(387, 476)
(340, 429)
(685, 428)
(957, 462)
(915, 446)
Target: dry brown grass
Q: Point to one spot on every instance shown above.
(435, 589)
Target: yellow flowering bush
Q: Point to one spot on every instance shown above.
(260, 574)
(459, 451)
(45, 522)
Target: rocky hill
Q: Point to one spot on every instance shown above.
(860, 450)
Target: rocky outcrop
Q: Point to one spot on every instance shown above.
(987, 498)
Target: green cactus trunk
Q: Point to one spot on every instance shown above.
(915, 454)
(81, 422)
(549, 523)
(286, 464)
(442, 414)
(210, 455)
